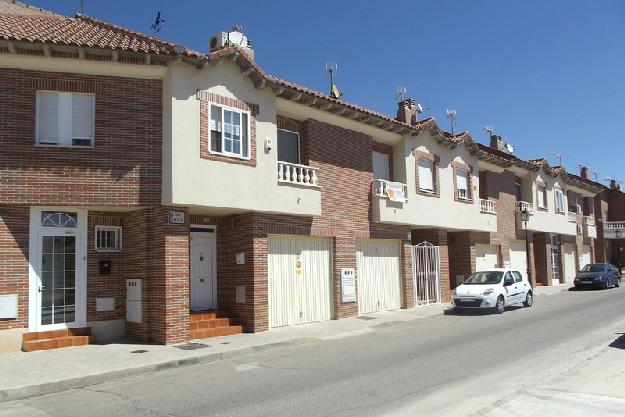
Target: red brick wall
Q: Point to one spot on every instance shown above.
(14, 261)
(124, 167)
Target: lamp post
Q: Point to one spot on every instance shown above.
(617, 233)
(525, 217)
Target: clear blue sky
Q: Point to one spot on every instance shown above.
(548, 75)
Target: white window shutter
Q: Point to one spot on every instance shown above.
(461, 180)
(426, 180)
(380, 166)
(47, 117)
(82, 116)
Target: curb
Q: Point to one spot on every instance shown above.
(23, 392)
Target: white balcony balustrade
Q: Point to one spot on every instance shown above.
(589, 220)
(297, 174)
(614, 225)
(394, 191)
(572, 216)
(524, 205)
(487, 206)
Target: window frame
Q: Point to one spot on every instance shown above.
(116, 229)
(560, 208)
(457, 173)
(68, 141)
(432, 176)
(543, 189)
(299, 143)
(249, 129)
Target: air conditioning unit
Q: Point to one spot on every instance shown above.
(218, 41)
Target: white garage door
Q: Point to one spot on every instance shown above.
(486, 257)
(585, 258)
(518, 259)
(299, 280)
(378, 275)
(568, 261)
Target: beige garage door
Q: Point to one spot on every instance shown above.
(299, 280)
(486, 257)
(585, 258)
(378, 275)
(518, 258)
(568, 262)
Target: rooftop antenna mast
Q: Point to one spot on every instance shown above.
(594, 174)
(488, 129)
(331, 69)
(559, 158)
(82, 6)
(451, 115)
(400, 93)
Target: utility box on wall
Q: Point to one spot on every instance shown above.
(133, 300)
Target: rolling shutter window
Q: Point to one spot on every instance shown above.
(541, 197)
(462, 183)
(426, 180)
(380, 166)
(47, 118)
(82, 119)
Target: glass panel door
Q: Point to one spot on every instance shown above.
(58, 280)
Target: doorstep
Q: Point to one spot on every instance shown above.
(62, 369)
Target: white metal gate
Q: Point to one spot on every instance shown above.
(426, 273)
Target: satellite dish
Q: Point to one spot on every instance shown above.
(419, 108)
(236, 38)
(510, 148)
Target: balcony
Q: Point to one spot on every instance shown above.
(590, 230)
(610, 228)
(547, 221)
(487, 206)
(297, 174)
(394, 191)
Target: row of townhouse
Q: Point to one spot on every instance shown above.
(156, 193)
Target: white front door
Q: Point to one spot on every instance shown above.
(569, 263)
(203, 270)
(585, 258)
(58, 284)
(378, 275)
(518, 257)
(486, 257)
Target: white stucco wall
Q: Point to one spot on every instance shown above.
(209, 185)
(434, 212)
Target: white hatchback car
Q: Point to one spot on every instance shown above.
(493, 289)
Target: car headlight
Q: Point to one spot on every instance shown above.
(487, 292)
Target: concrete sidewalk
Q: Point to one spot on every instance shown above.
(28, 374)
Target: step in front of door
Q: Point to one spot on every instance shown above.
(55, 339)
(204, 325)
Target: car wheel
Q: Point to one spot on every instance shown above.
(500, 306)
(529, 299)
(607, 284)
(617, 283)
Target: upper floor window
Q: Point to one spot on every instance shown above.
(288, 146)
(559, 195)
(229, 131)
(462, 184)
(380, 166)
(65, 119)
(541, 197)
(426, 175)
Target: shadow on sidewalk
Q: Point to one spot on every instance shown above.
(619, 342)
(476, 311)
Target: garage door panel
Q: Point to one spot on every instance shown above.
(568, 262)
(518, 257)
(486, 257)
(299, 298)
(585, 258)
(379, 275)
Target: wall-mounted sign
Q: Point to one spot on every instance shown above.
(8, 306)
(348, 285)
(395, 191)
(176, 217)
(298, 268)
(240, 258)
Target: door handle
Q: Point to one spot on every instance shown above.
(41, 287)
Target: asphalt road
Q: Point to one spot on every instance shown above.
(444, 365)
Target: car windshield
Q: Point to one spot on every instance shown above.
(485, 278)
(594, 268)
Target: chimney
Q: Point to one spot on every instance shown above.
(407, 111)
(615, 185)
(583, 172)
(496, 142)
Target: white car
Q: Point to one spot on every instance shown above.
(493, 289)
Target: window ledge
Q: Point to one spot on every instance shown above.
(45, 145)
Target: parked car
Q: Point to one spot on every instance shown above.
(493, 289)
(598, 276)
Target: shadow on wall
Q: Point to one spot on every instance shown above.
(619, 342)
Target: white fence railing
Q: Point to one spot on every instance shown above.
(572, 216)
(614, 225)
(589, 220)
(395, 191)
(524, 205)
(487, 206)
(297, 174)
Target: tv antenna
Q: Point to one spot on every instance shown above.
(400, 93)
(558, 158)
(82, 6)
(331, 69)
(158, 23)
(451, 115)
(594, 174)
(489, 130)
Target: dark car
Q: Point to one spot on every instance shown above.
(598, 276)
